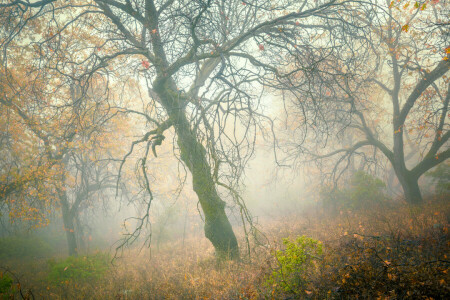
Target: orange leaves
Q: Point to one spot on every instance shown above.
(261, 47)
(405, 28)
(447, 52)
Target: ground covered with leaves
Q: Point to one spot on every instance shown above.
(391, 251)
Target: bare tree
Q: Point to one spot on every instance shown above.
(377, 72)
(204, 65)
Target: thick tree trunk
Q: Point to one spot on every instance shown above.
(70, 234)
(407, 179)
(217, 226)
(410, 186)
(412, 191)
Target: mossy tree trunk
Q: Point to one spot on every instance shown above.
(217, 226)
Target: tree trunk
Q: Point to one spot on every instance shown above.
(411, 189)
(217, 226)
(69, 228)
(80, 233)
(70, 234)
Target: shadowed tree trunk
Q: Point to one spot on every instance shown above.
(68, 220)
(410, 185)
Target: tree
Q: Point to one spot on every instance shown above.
(45, 135)
(378, 55)
(54, 139)
(200, 61)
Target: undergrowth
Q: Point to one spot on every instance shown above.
(6, 285)
(389, 252)
(296, 264)
(78, 269)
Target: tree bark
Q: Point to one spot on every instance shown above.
(410, 185)
(217, 226)
(69, 228)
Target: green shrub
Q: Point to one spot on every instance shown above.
(361, 191)
(441, 177)
(23, 247)
(78, 269)
(296, 264)
(5, 285)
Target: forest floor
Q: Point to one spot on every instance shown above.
(388, 252)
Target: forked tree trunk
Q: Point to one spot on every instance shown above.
(217, 226)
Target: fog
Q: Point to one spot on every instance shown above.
(224, 149)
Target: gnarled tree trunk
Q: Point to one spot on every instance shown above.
(217, 226)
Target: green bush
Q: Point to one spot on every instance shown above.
(78, 269)
(23, 247)
(441, 177)
(5, 285)
(362, 190)
(296, 264)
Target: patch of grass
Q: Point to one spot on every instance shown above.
(78, 269)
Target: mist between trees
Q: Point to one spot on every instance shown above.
(136, 122)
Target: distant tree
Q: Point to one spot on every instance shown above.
(377, 71)
(48, 127)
